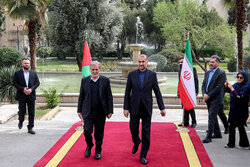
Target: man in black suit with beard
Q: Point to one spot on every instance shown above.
(26, 81)
(138, 102)
(94, 104)
(213, 92)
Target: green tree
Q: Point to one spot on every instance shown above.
(31, 11)
(70, 21)
(206, 28)
(152, 31)
(241, 22)
(2, 19)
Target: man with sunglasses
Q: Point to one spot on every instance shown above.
(212, 91)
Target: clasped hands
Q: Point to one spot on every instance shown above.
(227, 84)
(27, 91)
(126, 113)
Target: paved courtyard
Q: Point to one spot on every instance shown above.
(20, 149)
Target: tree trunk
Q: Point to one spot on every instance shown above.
(239, 28)
(78, 60)
(32, 43)
(194, 58)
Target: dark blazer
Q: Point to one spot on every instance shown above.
(19, 83)
(196, 81)
(134, 94)
(84, 101)
(215, 87)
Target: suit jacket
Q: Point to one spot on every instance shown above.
(196, 81)
(134, 94)
(84, 100)
(19, 83)
(215, 87)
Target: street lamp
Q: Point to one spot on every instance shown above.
(18, 27)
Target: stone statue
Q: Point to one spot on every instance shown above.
(139, 30)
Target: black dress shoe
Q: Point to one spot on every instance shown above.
(193, 125)
(226, 130)
(98, 156)
(206, 140)
(31, 131)
(227, 146)
(20, 125)
(88, 151)
(144, 161)
(135, 147)
(216, 136)
(183, 125)
(180, 124)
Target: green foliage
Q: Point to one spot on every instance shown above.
(231, 65)
(172, 56)
(52, 96)
(7, 90)
(206, 28)
(70, 20)
(44, 52)
(9, 57)
(2, 18)
(226, 101)
(160, 60)
(246, 61)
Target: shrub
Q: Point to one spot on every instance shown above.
(148, 51)
(60, 56)
(160, 60)
(226, 101)
(172, 56)
(231, 65)
(7, 90)
(52, 96)
(246, 62)
(43, 52)
(9, 57)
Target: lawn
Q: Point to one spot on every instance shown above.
(71, 66)
(222, 66)
(107, 66)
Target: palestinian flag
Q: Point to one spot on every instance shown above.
(86, 60)
(186, 87)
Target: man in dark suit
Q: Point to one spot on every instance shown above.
(94, 104)
(26, 81)
(191, 112)
(138, 102)
(212, 91)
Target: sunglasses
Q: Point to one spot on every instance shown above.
(240, 77)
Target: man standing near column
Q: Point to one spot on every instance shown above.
(212, 91)
(138, 102)
(26, 81)
(94, 104)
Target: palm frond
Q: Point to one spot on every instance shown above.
(7, 90)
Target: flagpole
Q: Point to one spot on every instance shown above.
(182, 105)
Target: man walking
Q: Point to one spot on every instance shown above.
(191, 112)
(212, 91)
(94, 104)
(138, 102)
(26, 81)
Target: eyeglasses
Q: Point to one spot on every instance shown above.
(240, 77)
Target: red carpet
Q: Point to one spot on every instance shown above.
(166, 148)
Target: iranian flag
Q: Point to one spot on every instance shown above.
(86, 60)
(186, 87)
